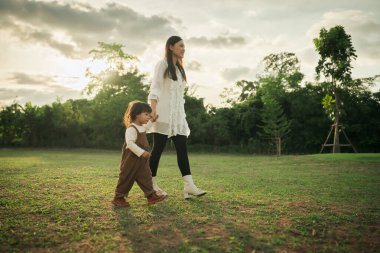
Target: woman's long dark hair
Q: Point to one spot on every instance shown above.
(170, 71)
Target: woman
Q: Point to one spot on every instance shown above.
(168, 113)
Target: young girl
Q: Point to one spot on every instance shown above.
(134, 165)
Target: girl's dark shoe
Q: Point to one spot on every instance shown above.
(120, 202)
(154, 198)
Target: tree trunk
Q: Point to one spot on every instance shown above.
(336, 147)
(276, 139)
(278, 145)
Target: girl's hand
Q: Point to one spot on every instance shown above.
(154, 116)
(146, 155)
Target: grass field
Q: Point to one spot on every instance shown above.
(59, 201)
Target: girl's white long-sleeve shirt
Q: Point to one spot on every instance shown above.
(170, 103)
(131, 137)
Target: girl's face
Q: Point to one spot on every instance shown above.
(143, 118)
(178, 49)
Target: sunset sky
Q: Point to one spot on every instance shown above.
(45, 44)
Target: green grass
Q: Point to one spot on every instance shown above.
(59, 201)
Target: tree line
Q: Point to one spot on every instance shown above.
(276, 110)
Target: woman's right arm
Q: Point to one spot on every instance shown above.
(156, 87)
(153, 104)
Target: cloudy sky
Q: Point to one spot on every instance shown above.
(45, 44)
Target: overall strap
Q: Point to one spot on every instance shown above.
(141, 140)
(138, 132)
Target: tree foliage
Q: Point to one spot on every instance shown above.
(337, 53)
(271, 105)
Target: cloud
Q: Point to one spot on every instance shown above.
(44, 81)
(36, 96)
(23, 78)
(39, 89)
(219, 41)
(234, 74)
(75, 29)
(363, 27)
(193, 65)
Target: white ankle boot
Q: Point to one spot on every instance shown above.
(190, 188)
(158, 190)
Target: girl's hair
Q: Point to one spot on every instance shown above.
(170, 71)
(135, 108)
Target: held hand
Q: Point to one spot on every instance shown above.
(146, 155)
(154, 116)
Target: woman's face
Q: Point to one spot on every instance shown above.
(178, 49)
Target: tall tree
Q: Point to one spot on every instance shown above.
(282, 69)
(336, 54)
(120, 75)
(276, 125)
(11, 125)
(114, 87)
(281, 76)
(31, 119)
(286, 67)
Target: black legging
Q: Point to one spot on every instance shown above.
(159, 142)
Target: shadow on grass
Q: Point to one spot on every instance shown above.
(196, 225)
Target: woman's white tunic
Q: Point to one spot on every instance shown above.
(170, 103)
